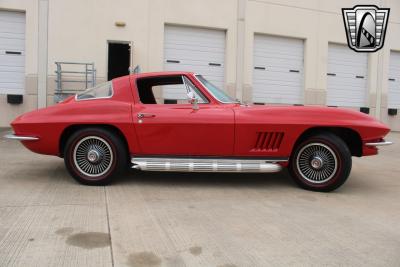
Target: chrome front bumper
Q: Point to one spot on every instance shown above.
(13, 136)
(382, 143)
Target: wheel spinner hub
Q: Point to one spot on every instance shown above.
(317, 163)
(93, 156)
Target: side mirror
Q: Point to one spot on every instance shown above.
(193, 100)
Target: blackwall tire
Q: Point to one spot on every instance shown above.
(321, 163)
(94, 156)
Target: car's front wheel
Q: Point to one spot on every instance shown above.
(321, 163)
(93, 156)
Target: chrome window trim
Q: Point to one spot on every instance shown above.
(94, 98)
(198, 91)
(205, 87)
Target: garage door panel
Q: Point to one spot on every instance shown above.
(348, 69)
(292, 43)
(181, 32)
(276, 55)
(12, 45)
(289, 89)
(205, 56)
(9, 76)
(198, 42)
(394, 70)
(279, 53)
(279, 78)
(193, 49)
(342, 60)
(358, 88)
(349, 85)
(278, 70)
(394, 80)
(190, 61)
(344, 93)
(204, 69)
(276, 62)
(276, 98)
(12, 39)
(11, 68)
(12, 35)
(12, 27)
(347, 81)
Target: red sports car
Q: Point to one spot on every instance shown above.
(179, 121)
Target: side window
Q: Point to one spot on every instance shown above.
(103, 90)
(167, 90)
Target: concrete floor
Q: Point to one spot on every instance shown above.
(169, 219)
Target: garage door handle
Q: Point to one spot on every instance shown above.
(173, 61)
(214, 64)
(331, 74)
(13, 53)
(392, 79)
(359, 77)
(259, 68)
(297, 71)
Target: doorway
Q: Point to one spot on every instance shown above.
(119, 59)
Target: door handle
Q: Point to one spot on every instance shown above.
(145, 115)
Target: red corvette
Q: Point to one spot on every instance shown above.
(179, 121)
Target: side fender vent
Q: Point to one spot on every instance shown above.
(268, 141)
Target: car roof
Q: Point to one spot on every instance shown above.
(160, 73)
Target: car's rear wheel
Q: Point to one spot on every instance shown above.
(94, 156)
(321, 163)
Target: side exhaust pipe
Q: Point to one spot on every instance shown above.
(205, 165)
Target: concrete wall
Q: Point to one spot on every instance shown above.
(79, 31)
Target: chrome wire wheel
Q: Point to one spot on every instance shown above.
(93, 156)
(316, 163)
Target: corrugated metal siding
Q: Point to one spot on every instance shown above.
(278, 72)
(347, 77)
(12, 52)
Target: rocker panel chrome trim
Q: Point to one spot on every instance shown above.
(204, 165)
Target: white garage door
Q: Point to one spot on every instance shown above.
(12, 52)
(394, 80)
(194, 49)
(278, 70)
(347, 77)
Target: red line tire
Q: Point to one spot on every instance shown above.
(95, 156)
(321, 163)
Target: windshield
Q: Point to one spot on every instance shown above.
(215, 91)
(103, 90)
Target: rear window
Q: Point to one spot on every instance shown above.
(103, 90)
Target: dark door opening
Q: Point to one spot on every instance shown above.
(119, 59)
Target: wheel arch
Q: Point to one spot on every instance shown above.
(351, 137)
(68, 131)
